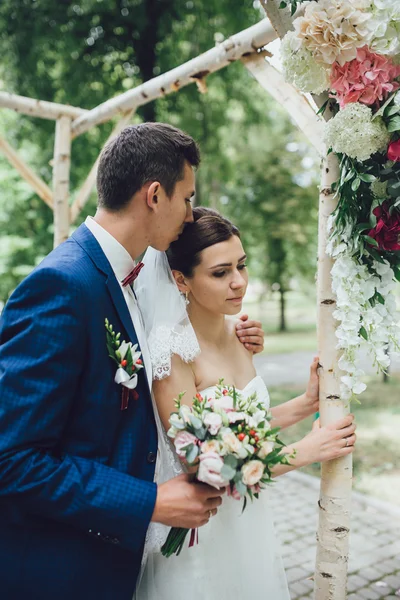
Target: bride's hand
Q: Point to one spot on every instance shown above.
(251, 334)
(326, 443)
(311, 396)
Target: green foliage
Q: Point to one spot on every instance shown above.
(253, 165)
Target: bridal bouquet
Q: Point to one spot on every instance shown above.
(230, 439)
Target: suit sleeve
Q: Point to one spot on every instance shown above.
(42, 355)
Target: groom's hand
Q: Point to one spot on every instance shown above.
(250, 333)
(181, 503)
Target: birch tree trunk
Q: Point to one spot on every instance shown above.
(336, 476)
(61, 167)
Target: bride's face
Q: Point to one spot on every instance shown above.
(220, 281)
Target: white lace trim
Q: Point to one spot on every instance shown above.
(165, 341)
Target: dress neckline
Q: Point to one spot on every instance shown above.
(241, 391)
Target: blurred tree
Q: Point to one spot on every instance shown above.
(84, 53)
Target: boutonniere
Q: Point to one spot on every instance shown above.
(128, 361)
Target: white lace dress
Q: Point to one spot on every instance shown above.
(237, 555)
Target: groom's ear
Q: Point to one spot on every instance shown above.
(180, 281)
(152, 194)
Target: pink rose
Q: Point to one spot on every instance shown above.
(252, 472)
(183, 439)
(210, 470)
(224, 403)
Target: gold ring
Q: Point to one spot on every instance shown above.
(347, 442)
(210, 513)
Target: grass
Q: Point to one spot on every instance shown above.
(377, 454)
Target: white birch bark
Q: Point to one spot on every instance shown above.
(336, 476)
(38, 108)
(61, 168)
(40, 187)
(231, 49)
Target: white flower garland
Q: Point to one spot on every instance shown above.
(354, 286)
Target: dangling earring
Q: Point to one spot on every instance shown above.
(187, 301)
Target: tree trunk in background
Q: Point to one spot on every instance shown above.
(282, 306)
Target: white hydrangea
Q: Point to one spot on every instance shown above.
(300, 68)
(352, 132)
(385, 26)
(354, 285)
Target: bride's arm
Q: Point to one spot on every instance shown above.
(182, 379)
(299, 408)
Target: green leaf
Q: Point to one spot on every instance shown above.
(391, 110)
(366, 177)
(394, 124)
(241, 488)
(282, 4)
(371, 241)
(195, 422)
(231, 461)
(380, 298)
(228, 472)
(396, 272)
(355, 184)
(192, 453)
(363, 333)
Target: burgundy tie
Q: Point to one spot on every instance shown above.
(129, 279)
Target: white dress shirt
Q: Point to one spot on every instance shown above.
(122, 264)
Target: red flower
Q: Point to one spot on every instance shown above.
(393, 152)
(387, 229)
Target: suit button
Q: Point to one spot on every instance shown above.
(151, 457)
(115, 541)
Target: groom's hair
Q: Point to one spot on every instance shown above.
(209, 227)
(139, 154)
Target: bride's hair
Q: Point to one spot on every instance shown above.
(209, 228)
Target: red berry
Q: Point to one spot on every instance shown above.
(199, 397)
(139, 361)
(252, 432)
(123, 363)
(224, 392)
(241, 437)
(256, 438)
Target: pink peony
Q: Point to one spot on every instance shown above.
(368, 79)
(183, 439)
(210, 468)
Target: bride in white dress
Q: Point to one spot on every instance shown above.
(193, 345)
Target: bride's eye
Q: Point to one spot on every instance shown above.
(219, 273)
(242, 266)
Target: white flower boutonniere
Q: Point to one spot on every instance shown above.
(128, 360)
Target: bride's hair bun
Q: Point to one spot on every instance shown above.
(209, 228)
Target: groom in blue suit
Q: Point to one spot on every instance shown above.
(77, 450)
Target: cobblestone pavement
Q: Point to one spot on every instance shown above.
(374, 565)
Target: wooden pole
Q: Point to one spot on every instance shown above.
(39, 108)
(246, 42)
(40, 187)
(86, 189)
(295, 103)
(61, 168)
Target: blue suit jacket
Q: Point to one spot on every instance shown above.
(76, 472)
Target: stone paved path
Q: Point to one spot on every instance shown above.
(374, 566)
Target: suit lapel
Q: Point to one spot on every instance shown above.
(88, 242)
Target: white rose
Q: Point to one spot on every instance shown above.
(252, 472)
(236, 416)
(211, 446)
(224, 403)
(213, 422)
(210, 470)
(266, 448)
(256, 418)
(183, 439)
(231, 442)
(176, 421)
